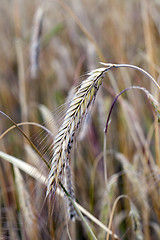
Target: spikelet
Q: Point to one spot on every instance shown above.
(76, 113)
(155, 104)
(153, 101)
(69, 187)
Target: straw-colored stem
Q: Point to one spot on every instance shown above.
(112, 212)
(22, 83)
(141, 70)
(134, 67)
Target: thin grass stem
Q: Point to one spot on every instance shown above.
(78, 212)
(113, 210)
(134, 67)
(26, 123)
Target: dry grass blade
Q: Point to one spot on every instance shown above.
(27, 168)
(35, 42)
(8, 223)
(33, 172)
(22, 81)
(27, 210)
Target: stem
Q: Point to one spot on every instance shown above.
(27, 123)
(134, 67)
(112, 106)
(78, 211)
(140, 70)
(113, 210)
(105, 172)
(32, 144)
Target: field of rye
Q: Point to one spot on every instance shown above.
(79, 120)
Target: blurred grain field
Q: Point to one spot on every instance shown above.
(46, 49)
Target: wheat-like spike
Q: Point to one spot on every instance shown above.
(153, 101)
(79, 105)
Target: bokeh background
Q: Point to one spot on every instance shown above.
(73, 37)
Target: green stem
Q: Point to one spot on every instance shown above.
(78, 212)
